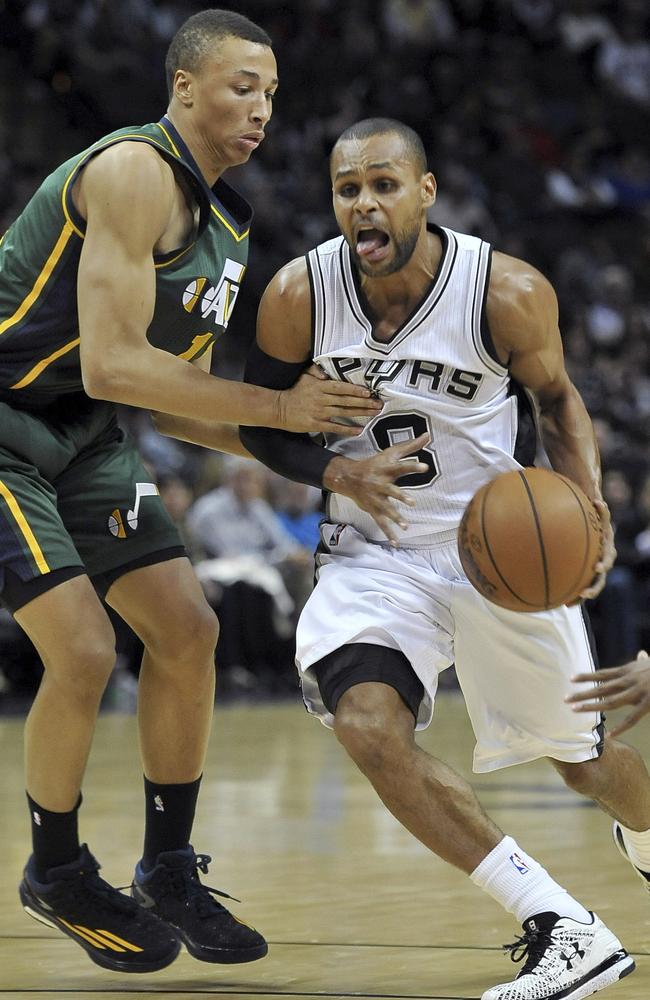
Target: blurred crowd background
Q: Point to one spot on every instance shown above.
(535, 116)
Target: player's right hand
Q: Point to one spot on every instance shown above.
(315, 404)
(371, 482)
(614, 687)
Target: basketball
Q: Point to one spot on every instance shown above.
(529, 540)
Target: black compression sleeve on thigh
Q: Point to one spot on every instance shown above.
(295, 456)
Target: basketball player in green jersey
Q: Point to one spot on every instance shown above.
(114, 283)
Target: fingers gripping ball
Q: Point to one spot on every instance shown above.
(530, 540)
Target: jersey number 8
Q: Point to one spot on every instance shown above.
(397, 427)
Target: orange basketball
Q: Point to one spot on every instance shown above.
(530, 540)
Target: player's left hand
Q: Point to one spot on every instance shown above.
(628, 684)
(607, 555)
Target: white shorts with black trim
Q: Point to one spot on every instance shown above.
(514, 668)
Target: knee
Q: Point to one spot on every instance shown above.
(89, 660)
(368, 732)
(361, 735)
(592, 778)
(580, 777)
(188, 633)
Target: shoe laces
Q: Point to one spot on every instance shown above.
(532, 946)
(82, 882)
(199, 897)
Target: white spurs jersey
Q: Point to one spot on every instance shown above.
(437, 373)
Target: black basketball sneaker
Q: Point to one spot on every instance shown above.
(114, 931)
(173, 891)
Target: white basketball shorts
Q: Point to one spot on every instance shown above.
(513, 668)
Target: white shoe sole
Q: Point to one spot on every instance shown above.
(607, 977)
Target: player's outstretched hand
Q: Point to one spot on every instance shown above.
(371, 482)
(607, 556)
(316, 403)
(628, 684)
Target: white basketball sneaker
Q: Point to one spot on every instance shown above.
(620, 843)
(564, 958)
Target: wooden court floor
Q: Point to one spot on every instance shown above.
(351, 905)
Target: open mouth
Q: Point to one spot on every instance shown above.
(372, 243)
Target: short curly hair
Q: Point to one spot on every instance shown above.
(195, 36)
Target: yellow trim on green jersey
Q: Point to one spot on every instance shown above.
(172, 260)
(233, 232)
(27, 532)
(64, 192)
(33, 374)
(41, 280)
(169, 140)
(100, 149)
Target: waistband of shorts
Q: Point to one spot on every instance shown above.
(427, 541)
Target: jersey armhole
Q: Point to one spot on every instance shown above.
(315, 348)
(484, 327)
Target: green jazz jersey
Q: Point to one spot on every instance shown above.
(196, 285)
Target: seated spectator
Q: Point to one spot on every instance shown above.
(252, 557)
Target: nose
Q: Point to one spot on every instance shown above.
(365, 201)
(261, 110)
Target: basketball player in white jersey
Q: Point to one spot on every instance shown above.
(441, 329)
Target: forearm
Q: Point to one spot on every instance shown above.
(208, 434)
(152, 379)
(570, 443)
(294, 456)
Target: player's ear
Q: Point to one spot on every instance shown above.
(429, 188)
(183, 87)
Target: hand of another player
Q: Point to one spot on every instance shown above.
(371, 482)
(315, 402)
(628, 684)
(607, 555)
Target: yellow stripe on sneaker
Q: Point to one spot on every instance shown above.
(100, 938)
(79, 931)
(97, 939)
(119, 940)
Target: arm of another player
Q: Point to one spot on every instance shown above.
(614, 687)
(283, 348)
(207, 433)
(523, 316)
(127, 195)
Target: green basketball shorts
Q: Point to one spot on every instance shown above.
(74, 494)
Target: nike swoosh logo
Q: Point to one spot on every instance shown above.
(143, 898)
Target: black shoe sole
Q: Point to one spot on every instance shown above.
(222, 956)
(34, 908)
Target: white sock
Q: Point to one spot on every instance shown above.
(522, 886)
(637, 844)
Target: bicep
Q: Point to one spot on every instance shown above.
(126, 201)
(536, 353)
